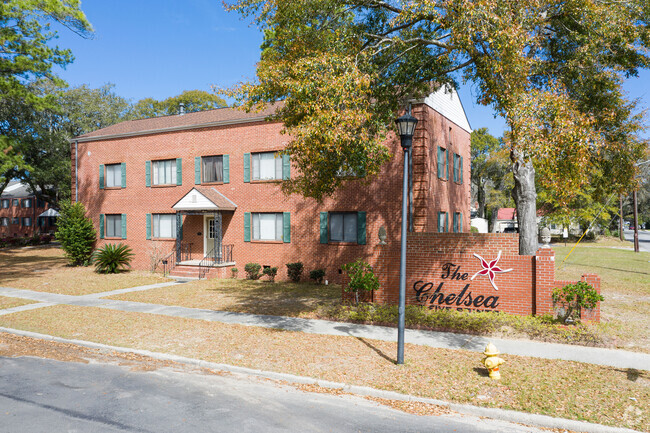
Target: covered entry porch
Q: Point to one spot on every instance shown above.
(200, 228)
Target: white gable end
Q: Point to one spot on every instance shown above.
(194, 200)
(447, 103)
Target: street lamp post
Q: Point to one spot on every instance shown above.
(406, 128)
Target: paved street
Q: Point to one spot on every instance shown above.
(39, 395)
(644, 239)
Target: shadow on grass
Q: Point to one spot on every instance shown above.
(378, 351)
(22, 263)
(481, 371)
(277, 299)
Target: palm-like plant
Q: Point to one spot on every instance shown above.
(111, 258)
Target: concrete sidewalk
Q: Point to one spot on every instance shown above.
(592, 355)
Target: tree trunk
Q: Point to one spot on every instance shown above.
(525, 197)
(493, 221)
(481, 200)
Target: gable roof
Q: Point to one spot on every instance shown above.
(199, 119)
(204, 198)
(447, 103)
(17, 189)
(507, 213)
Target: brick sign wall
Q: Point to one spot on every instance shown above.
(452, 271)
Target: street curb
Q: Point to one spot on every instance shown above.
(465, 409)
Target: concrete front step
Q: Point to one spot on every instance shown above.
(191, 272)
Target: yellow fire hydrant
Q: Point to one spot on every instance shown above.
(492, 361)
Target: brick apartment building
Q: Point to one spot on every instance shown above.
(203, 184)
(20, 210)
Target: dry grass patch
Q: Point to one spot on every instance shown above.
(7, 302)
(45, 269)
(625, 284)
(242, 296)
(558, 388)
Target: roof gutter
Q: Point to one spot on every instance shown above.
(171, 129)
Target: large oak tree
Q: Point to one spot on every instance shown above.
(551, 68)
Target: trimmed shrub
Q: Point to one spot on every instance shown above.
(76, 233)
(271, 272)
(111, 258)
(361, 278)
(253, 271)
(317, 275)
(294, 270)
(573, 298)
(234, 272)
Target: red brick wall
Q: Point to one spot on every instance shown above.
(447, 261)
(380, 197)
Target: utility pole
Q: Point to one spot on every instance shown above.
(636, 223)
(621, 235)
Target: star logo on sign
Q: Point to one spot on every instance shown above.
(490, 269)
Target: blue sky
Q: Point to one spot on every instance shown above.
(159, 48)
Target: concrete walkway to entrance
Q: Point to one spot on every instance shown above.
(591, 355)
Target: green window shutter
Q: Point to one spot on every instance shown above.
(286, 167)
(226, 169)
(460, 222)
(148, 226)
(324, 238)
(447, 159)
(461, 170)
(247, 167)
(179, 171)
(440, 166)
(123, 226)
(286, 227)
(124, 175)
(446, 222)
(197, 170)
(361, 228)
(147, 173)
(101, 176)
(455, 222)
(101, 226)
(247, 226)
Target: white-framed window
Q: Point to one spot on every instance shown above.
(27, 202)
(266, 166)
(212, 169)
(343, 227)
(16, 202)
(27, 222)
(164, 226)
(114, 176)
(113, 226)
(267, 226)
(15, 221)
(5, 222)
(443, 222)
(164, 172)
(6, 203)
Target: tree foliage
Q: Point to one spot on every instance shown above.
(551, 68)
(490, 174)
(192, 100)
(26, 57)
(25, 36)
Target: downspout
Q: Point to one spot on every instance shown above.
(76, 171)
